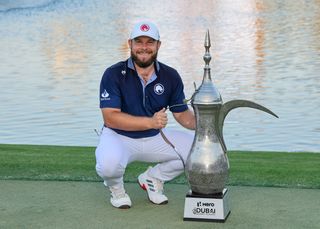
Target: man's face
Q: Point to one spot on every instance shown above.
(144, 50)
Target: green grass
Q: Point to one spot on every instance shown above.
(66, 163)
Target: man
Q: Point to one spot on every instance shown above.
(134, 97)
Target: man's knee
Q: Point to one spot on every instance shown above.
(109, 171)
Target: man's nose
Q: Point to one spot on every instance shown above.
(144, 45)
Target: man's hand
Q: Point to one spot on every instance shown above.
(159, 119)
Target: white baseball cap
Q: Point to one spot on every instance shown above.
(145, 28)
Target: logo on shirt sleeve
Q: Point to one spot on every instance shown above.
(158, 89)
(105, 95)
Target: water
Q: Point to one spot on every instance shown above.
(53, 54)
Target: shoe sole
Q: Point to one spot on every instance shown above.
(124, 207)
(145, 189)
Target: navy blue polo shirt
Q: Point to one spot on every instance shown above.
(122, 88)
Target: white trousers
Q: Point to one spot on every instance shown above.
(115, 152)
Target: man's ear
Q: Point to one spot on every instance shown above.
(129, 43)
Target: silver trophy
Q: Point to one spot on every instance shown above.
(207, 166)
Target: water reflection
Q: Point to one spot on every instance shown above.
(65, 49)
(266, 51)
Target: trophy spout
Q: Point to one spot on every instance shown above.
(230, 105)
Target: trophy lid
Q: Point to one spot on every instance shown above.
(207, 94)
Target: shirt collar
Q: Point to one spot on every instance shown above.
(130, 64)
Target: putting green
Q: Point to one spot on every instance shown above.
(53, 204)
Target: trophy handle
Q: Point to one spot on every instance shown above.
(228, 106)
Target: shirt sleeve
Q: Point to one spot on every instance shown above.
(110, 94)
(178, 96)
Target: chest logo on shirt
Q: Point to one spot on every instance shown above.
(158, 89)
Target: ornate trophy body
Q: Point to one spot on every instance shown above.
(207, 166)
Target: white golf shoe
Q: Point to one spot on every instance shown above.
(119, 198)
(154, 188)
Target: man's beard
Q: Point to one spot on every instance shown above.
(144, 64)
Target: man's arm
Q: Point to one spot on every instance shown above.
(186, 119)
(116, 119)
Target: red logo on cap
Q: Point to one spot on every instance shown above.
(144, 28)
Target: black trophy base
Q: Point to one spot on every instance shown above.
(212, 208)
